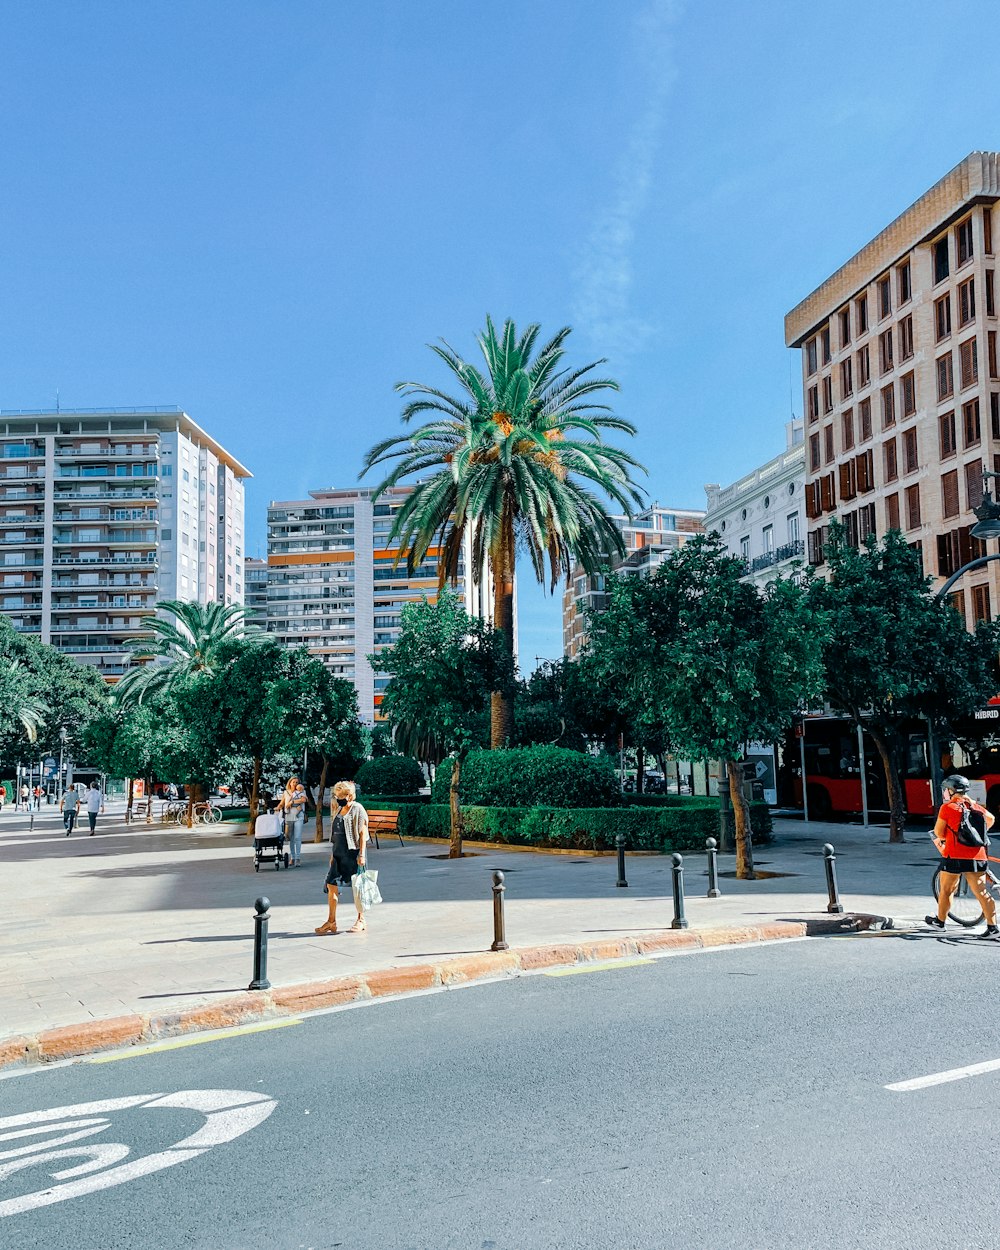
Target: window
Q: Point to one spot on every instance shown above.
(861, 313)
(963, 241)
(864, 366)
(957, 597)
(846, 377)
(845, 327)
(987, 231)
(793, 527)
(910, 451)
(166, 535)
(969, 357)
(745, 548)
(908, 394)
(991, 353)
(866, 521)
(889, 460)
(848, 480)
(995, 415)
(828, 394)
(912, 507)
(888, 406)
(974, 484)
(166, 470)
(892, 512)
(864, 466)
(850, 523)
(814, 460)
(811, 363)
(827, 492)
(903, 282)
(828, 452)
(847, 429)
(812, 403)
(942, 317)
(768, 535)
(865, 418)
(967, 302)
(945, 377)
(884, 297)
(813, 506)
(941, 269)
(946, 426)
(981, 603)
(824, 338)
(906, 338)
(949, 494)
(991, 308)
(885, 351)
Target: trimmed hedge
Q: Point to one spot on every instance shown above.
(761, 815)
(390, 774)
(554, 776)
(381, 801)
(646, 829)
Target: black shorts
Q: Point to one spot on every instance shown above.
(964, 865)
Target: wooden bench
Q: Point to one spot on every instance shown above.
(384, 822)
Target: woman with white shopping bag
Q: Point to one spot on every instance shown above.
(348, 855)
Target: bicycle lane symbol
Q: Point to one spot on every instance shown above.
(39, 1138)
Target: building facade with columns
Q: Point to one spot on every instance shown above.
(901, 386)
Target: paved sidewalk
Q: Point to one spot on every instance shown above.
(142, 919)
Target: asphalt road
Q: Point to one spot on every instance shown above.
(730, 1099)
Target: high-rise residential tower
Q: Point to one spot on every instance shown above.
(335, 584)
(901, 384)
(104, 512)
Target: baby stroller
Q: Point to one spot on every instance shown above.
(269, 842)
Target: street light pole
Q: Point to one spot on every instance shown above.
(987, 526)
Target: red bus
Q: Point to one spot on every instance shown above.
(837, 760)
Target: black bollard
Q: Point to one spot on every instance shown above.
(260, 981)
(830, 858)
(677, 871)
(713, 869)
(499, 937)
(621, 883)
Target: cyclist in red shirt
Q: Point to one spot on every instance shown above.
(961, 860)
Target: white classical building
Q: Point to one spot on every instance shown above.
(761, 517)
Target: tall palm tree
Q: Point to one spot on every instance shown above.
(511, 463)
(184, 647)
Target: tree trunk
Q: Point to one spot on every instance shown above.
(640, 769)
(190, 815)
(744, 832)
(455, 851)
(321, 793)
(894, 787)
(501, 702)
(128, 801)
(254, 796)
(149, 800)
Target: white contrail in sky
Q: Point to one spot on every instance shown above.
(604, 276)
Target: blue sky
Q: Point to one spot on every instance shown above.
(263, 211)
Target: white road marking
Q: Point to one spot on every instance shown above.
(228, 1115)
(942, 1078)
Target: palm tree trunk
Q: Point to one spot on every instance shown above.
(321, 792)
(501, 702)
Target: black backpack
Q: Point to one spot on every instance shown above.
(969, 833)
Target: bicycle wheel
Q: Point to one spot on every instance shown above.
(216, 815)
(965, 909)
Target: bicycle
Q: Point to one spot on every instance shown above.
(207, 813)
(965, 909)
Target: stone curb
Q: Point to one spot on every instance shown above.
(76, 1040)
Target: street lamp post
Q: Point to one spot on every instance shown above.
(987, 526)
(62, 744)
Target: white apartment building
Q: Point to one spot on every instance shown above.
(901, 383)
(760, 518)
(104, 512)
(334, 585)
(255, 591)
(650, 537)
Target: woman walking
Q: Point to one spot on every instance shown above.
(349, 845)
(293, 804)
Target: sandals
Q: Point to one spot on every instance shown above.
(326, 928)
(359, 926)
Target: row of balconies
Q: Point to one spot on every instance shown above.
(144, 560)
(127, 451)
(72, 583)
(83, 515)
(82, 538)
(34, 517)
(117, 624)
(109, 470)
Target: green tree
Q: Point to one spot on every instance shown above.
(442, 671)
(893, 651)
(717, 661)
(194, 643)
(22, 712)
(510, 463)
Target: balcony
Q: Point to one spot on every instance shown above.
(105, 514)
(778, 556)
(34, 563)
(117, 558)
(74, 583)
(109, 451)
(23, 540)
(109, 470)
(124, 493)
(33, 518)
(105, 538)
(15, 472)
(133, 627)
(22, 451)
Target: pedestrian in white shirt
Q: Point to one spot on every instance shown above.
(95, 804)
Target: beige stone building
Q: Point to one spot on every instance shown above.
(901, 389)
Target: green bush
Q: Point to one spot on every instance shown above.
(553, 776)
(761, 816)
(389, 774)
(381, 802)
(645, 829)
